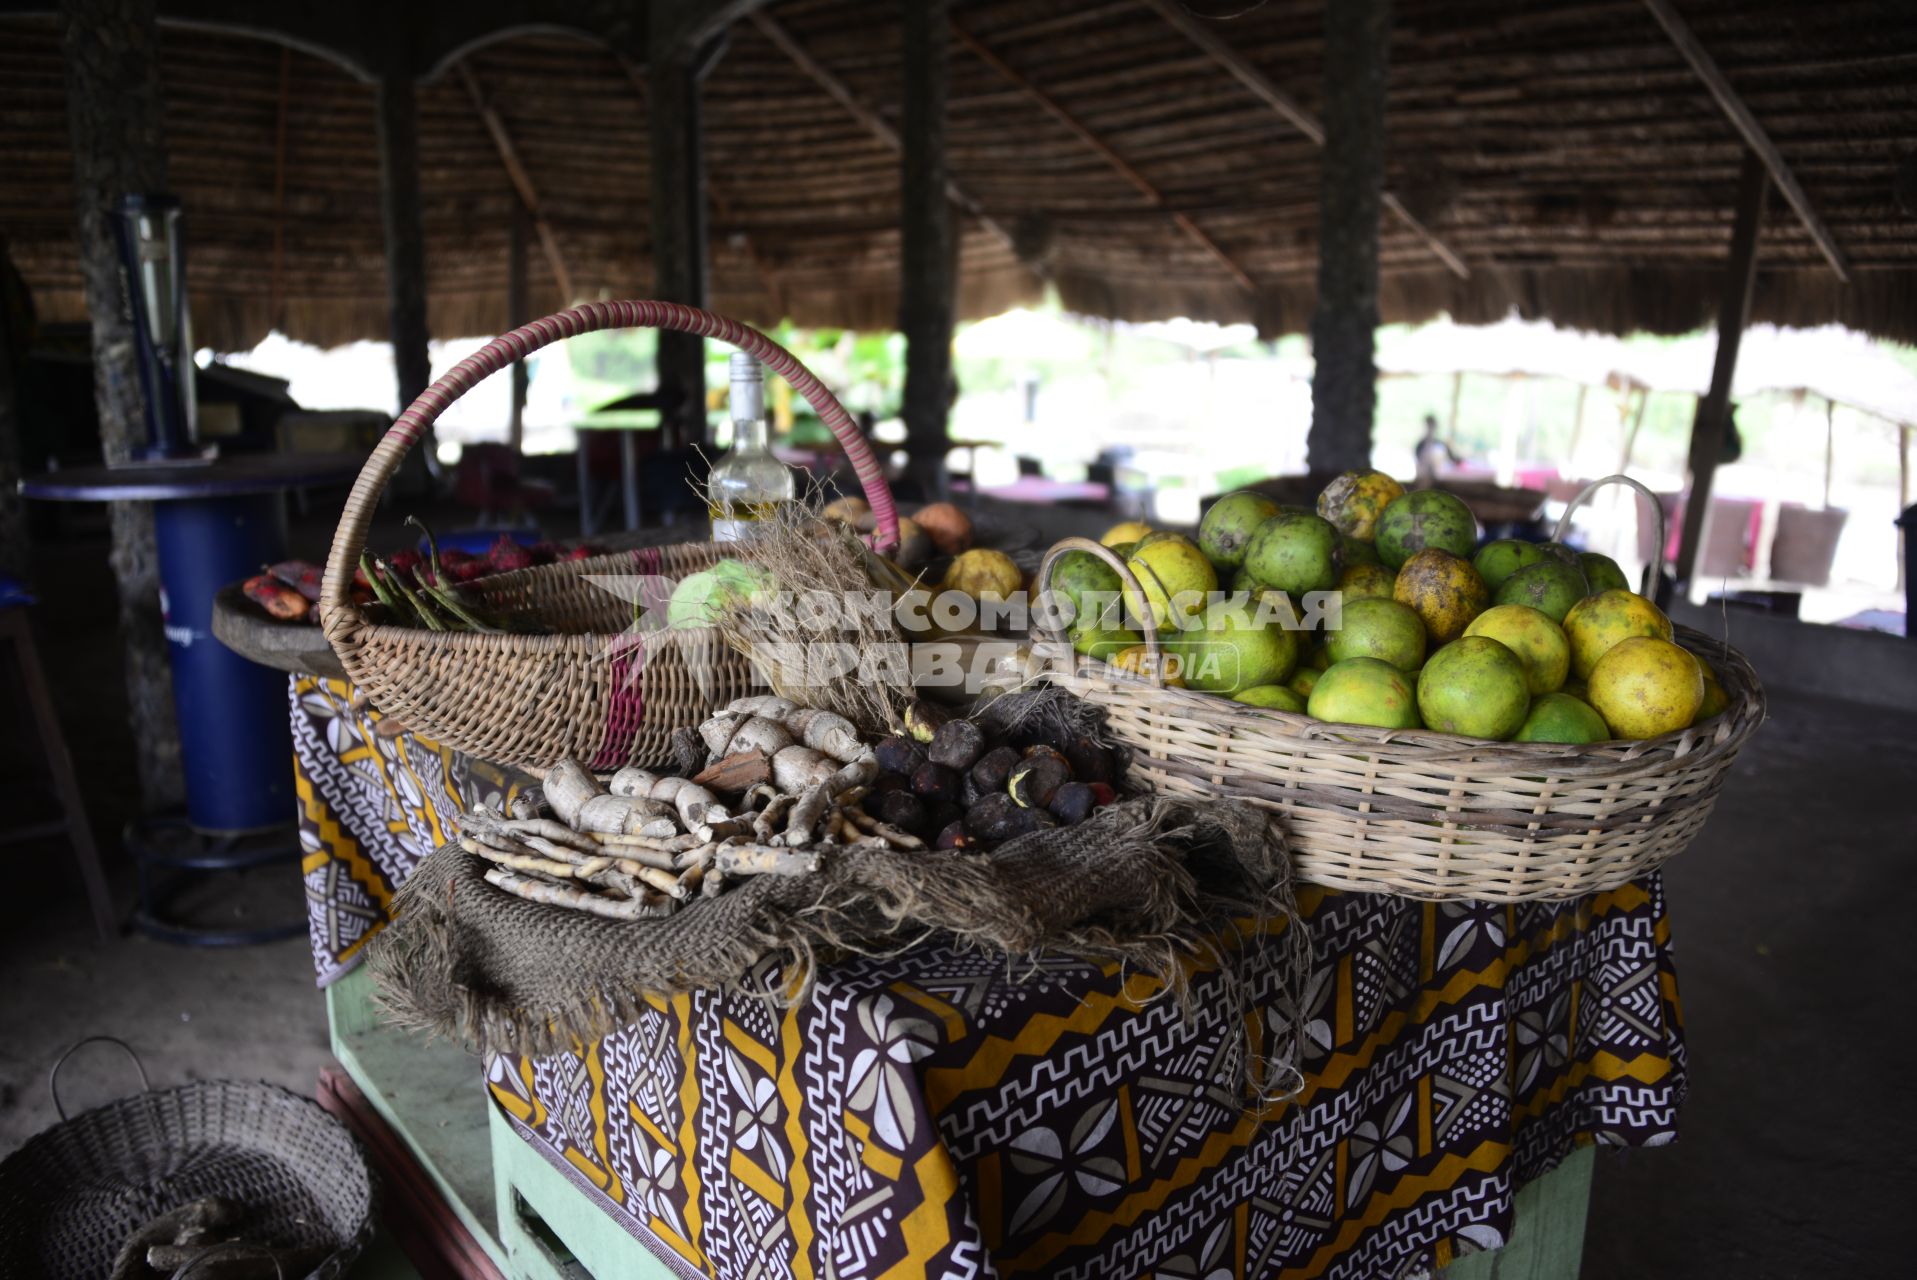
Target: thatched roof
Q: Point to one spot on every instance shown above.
(1565, 151)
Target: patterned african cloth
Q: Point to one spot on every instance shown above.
(370, 807)
(931, 1113)
(934, 1113)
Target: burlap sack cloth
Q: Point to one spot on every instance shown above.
(1154, 883)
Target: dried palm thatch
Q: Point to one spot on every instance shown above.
(1565, 151)
(829, 604)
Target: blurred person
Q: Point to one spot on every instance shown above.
(1434, 455)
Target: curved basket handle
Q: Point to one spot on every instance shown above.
(53, 1076)
(1147, 625)
(1649, 579)
(340, 619)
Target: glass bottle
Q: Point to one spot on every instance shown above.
(748, 485)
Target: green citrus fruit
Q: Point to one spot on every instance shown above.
(1558, 717)
(1229, 523)
(1425, 518)
(1474, 686)
(1382, 629)
(1365, 691)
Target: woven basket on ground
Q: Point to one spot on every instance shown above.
(1424, 814)
(71, 1196)
(595, 688)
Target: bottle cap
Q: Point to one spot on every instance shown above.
(748, 387)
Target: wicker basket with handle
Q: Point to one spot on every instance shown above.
(1424, 814)
(594, 688)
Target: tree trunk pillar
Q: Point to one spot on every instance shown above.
(1344, 387)
(928, 248)
(680, 255)
(114, 117)
(398, 124)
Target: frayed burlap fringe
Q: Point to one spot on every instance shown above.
(1160, 885)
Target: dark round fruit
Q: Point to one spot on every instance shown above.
(899, 755)
(1038, 778)
(936, 782)
(993, 772)
(902, 809)
(953, 836)
(956, 745)
(1072, 803)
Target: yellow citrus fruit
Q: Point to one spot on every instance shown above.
(1356, 499)
(1539, 643)
(1598, 622)
(1275, 697)
(1644, 687)
(1367, 581)
(1444, 590)
(1130, 531)
(1716, 701)
(1138, 660)
(984, 574)
(1304, 680)
(1175, 575)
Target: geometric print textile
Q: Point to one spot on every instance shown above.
(936, 1112)
(371, 805)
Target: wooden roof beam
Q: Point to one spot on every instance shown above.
(878, 128)
(521, 180)
(1263, 88)
(1084, 133)
(1739, 114)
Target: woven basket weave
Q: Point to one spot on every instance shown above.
(1424, 814)
(71, 1197)
(593, 689)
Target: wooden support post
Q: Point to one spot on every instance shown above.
(680, 262)
(1344, 387)
(1457, 394)
(1637, 422)
(1577, 426)
(114, 115)
(398, 123)
(1738, 113)
(1733, 312)
(927, 249)
(1830, 446)
(518, 312)
(521, 180)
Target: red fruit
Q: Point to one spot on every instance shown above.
(453, 557)
(508, 555)
(406, 561)
(361, 580)
(1102, 794)
(580, 552)
(470, 570)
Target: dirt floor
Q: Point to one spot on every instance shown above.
(1795, 968)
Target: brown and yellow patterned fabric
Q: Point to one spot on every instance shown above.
(371, 805)
(936, 1113)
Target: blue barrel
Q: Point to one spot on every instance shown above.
(235, 747)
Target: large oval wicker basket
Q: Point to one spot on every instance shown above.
(594, 688)
(1424, 814)
(71, 1196)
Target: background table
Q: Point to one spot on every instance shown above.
(932, 1109)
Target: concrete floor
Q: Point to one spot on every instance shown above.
(1795, 969)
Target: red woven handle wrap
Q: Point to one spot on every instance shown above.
(336, 609)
